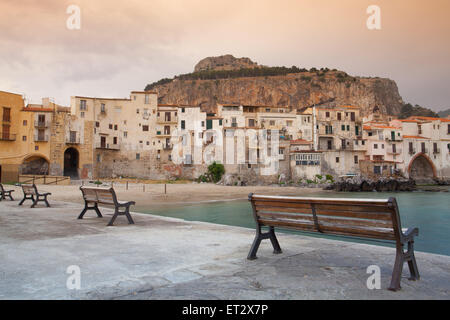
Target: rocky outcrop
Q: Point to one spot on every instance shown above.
(297, 90)
(360, 184)
(226, 62)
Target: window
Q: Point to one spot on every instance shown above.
(138, 156)
(339, 116)
(114, 140)
(327, 114)
(203, 123)
(82, 114)
(448, 129)
(337, 159)
(83, 105)
(125, 134)
(145, 128)
(382, 146)
(267, 109)
(97, 124)
(411, 149)
(24, 138)
(102, 108)
(394, 148)
(137, 110)
(328, 129)
(356, 159)
(182, 110)
(343, 127)
(375, 146)
(329, 145)
(352, 116)
(24, 122)
(110, 126)
(423, 147)
(251, 122)
(115, 127)
(377, 169)
(98, 158)
(183, 125)
(36, 148)
(220, 122)
(147, 99)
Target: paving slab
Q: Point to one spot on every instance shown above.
(167, 258)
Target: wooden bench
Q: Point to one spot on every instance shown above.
(30, 192)
(95, 196)
(5, 193)
(362, 218)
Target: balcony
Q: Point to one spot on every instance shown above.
(40, 138)
(436, 151)
(107, 146)
(412, 151)
(6, 136)
(163, 134)
(73, 140)
(167, 146)
(397, 151)
(41, 124)
(163, 120)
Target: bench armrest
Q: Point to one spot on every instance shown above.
(126, 204)
(44, 194)
(410, 234)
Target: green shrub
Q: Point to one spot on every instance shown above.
(309, 181)
(329, 177)
(98, 182)
(216, 171)
(319, 176)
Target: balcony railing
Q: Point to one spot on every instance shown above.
(397, 151)
(73, 140)
(4, 136)
(107, 146)
(172, 120)
(167, 146)
(412, 151)
(42, 124)
(437, 150)
(41, 138)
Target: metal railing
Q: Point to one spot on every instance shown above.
(41, 124)
(108, 146)
(42, 179)
(73, 140)
(41, 138)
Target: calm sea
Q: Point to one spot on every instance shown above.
(429, 211)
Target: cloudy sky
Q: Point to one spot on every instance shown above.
(123, 45)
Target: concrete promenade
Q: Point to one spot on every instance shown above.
(165, 258)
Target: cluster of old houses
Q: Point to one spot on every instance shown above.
(137, 137)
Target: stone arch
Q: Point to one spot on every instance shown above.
(422, 167)
(36, 164)
(71, 162)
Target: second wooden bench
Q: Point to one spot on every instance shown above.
(107, 196)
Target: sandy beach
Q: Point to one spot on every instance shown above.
(177, 193)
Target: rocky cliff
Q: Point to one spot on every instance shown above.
(299, 89)
(226, 62)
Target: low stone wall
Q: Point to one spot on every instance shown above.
(361, 184)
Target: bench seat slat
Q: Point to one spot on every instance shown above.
(377, 233)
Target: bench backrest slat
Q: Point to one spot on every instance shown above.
(29, 189)
(356, 217)
(99, 195)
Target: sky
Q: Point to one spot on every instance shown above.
(123, 45)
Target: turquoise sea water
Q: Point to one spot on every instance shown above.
(429, 211)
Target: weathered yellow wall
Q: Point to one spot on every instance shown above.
(13, 153)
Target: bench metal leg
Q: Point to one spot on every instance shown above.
(412, 264)
(261, 236)
(116, 213)
(10, 197)
(397, 272)
(274, 240)
(119, 213)
(86, 208)
(46, 202)
(26, 198)
(400, 258)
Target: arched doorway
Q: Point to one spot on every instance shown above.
(421, 168)
(71, 158)
(35, 165)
